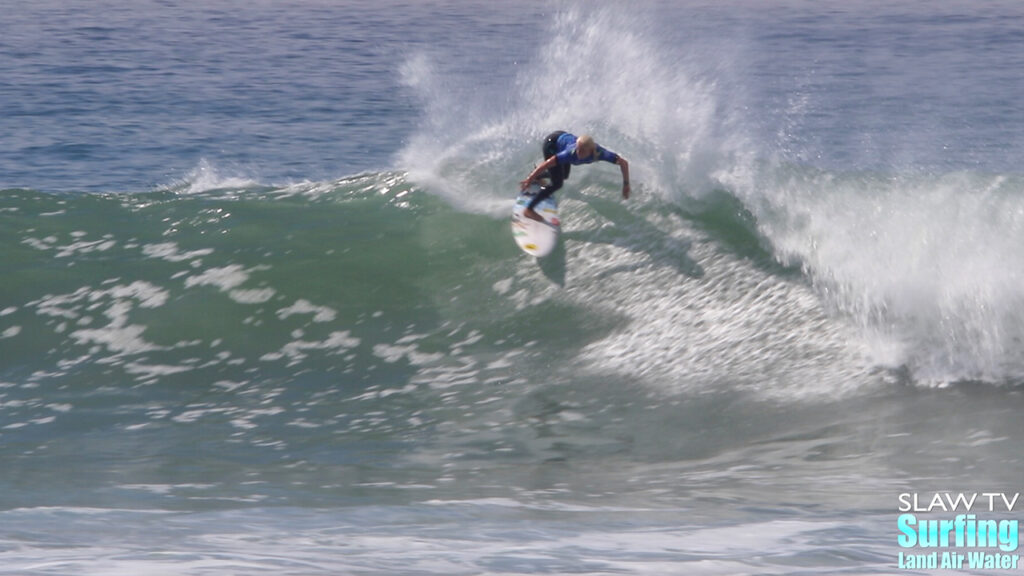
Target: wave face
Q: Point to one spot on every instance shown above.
(261, 310)
(891, 181)
(905, 225)
(181, 287)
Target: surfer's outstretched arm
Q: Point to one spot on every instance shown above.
(624, 166)
(542, 168)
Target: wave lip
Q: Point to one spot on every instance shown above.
(207, 177)
(927, 266)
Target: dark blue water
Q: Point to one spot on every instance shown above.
(119, 97)
(261, 310)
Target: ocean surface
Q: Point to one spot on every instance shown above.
(261, 311)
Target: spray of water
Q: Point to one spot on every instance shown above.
(595, 72)
(925, 264)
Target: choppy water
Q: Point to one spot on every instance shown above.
(261, 311)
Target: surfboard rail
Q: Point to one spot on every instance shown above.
(533, 237)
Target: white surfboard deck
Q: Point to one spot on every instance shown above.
(536, 238)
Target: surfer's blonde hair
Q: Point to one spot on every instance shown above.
(586, 142)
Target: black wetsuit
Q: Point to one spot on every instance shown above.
(563, 145)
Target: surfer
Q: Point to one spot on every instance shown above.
(561, 151)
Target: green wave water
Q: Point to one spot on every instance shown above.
(242, 315)
(320, 352)
(170, 286)
(209, 351)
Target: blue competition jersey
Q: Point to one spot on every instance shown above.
(567, 152)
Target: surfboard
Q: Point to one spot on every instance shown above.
(535, 238)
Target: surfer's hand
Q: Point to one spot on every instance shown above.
(524, 184)
(625, 191)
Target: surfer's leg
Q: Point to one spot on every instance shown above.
(556, 175)
(543, 194)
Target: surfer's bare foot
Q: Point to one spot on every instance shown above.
(532, 215)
